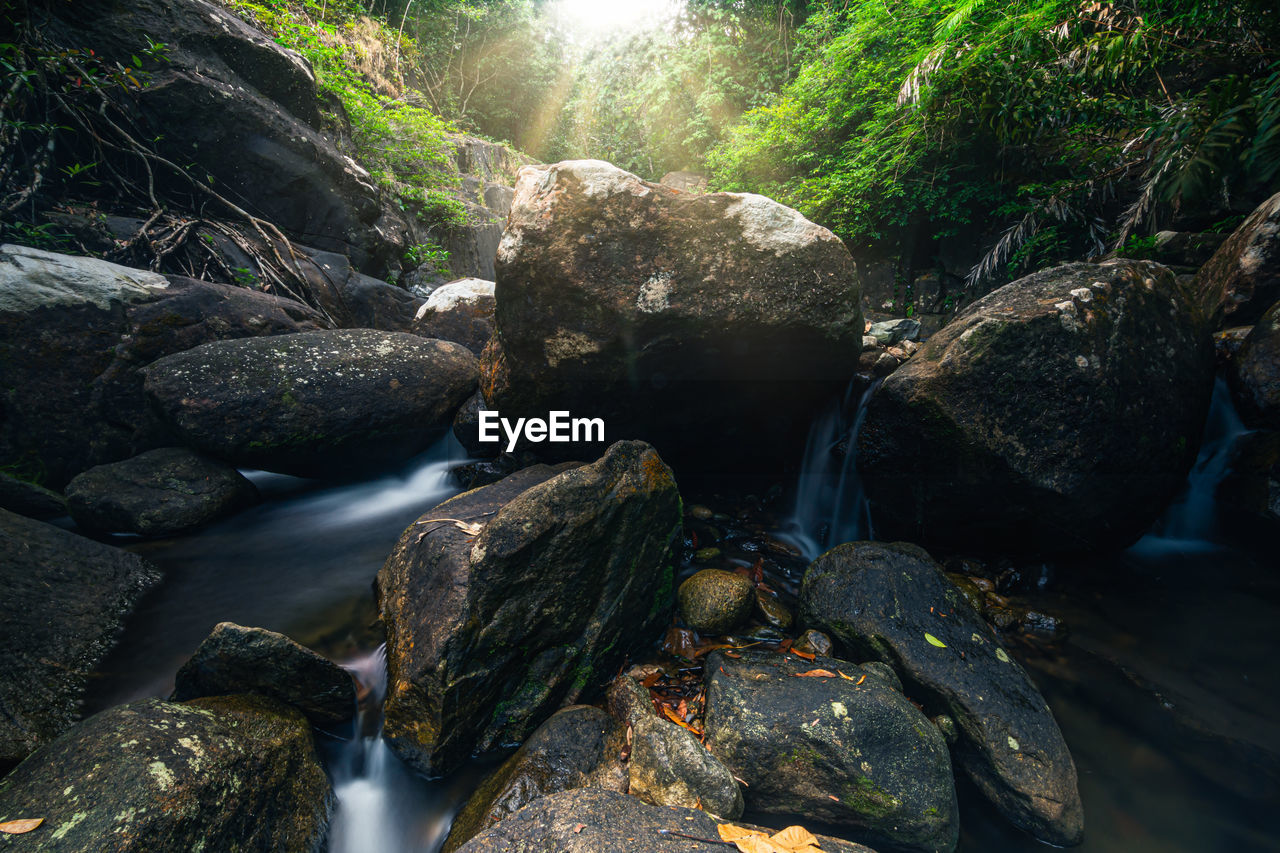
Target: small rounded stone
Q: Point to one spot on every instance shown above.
(713, 601)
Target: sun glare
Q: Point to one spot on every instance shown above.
(603, 18)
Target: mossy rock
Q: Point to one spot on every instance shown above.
(714, 601)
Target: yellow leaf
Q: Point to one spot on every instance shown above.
(17, 827)
(795, 838)
(815, 673)
(934, 641)
(730, 832)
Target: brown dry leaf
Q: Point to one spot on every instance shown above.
(731, 832)
(795, 838)
(804, 655)
(815, 673)
(18, 827)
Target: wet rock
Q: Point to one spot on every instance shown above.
(466, 428)
(772, 611)
(489, 634)
(885, 602)
(889, 332)
(65, 598)
(1252, 486)
(714, 601)
(157, 493)
(233, 773)
(1058, 414)
(668, 766)
(813, 642)
(972, 593)
(98, 323)
(578, 747)
(1242, 279)
(322, 403)
(588, 820)
(460, 311)
(700, 512)
(30, 499)
(473, 475)
(1255, 373)
(235, 659)
(850, 753)
(1227, 343)
(709, 325)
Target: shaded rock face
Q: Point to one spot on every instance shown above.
(157, 493)
(1255, 373)
(1252, 487)
(703, 324)
(852, 753)
(98, 323)
(667, 765)
(64, 602)
(238, 773)
(355, 300)
(235, 659)
(460, 311)
(1242, 279)
(1060, 413)
(488, 634)
(313, 403)
(30, 499)
(1181, 248)
(593, 821)
(578, 747)
(883, 602)
(466, 428)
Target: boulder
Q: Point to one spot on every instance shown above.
(714, 601)
(355, 300)
(1058, 414)
(1252, 486)
(1255, 373)
(668, 766)
(157, 493)
(73, 334)
(1242, 279)
(685, 181)
(313, 403)
(488, 633)
(709, 325)
(235, 659)
(578, 747)
(889, 332)
(30, 499)
(233, 773)
(850, 752)
(65, 598)
(589, 820)
(466, 428)
(891, 602)
(460, 311)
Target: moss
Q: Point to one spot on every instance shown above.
(867, 798)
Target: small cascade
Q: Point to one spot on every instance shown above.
(831, 506)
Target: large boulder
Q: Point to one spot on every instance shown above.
(74, 332)
(488, 633)
(1255, 372)
(1060, 413)
(238, 773)
(705, 324)
(1242, 279)
(157, 493)
(313, 403)
(460, 311)
(355, 300)
(892, 603)
(65, 598)
(843, 747)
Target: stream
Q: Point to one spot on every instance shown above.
(1164, 682)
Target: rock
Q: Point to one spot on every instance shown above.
(772, 611)
(1255, 373)
(850, 753)
(65, 598)
(885, 601)
(473, 475)
(714, 601)
(813, 642)
(313, 403)
(578, 747)
(30, 499)
(157, 493)
(1180, 248)
(668, 766)
(870, 344)
(489, 634)
(355, 300)
(234, 773)
(460, 311)
(98, 323)
(889, 332)
(589, 820)
(685, 181)
(1242, 279)
(235, 659)
(1058, 414)
(1252, 485)
(709, 325)
(1227, 343)
(466, 428)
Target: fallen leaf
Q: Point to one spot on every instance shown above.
(18, 827)
(934, 641)
(579, 828)
(731, 832)
(795, 837)
(651, 679)
(804, 655)
(815, 673)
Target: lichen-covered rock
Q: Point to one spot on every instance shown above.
(65, 598)
(157, 493)
(488, 634)
(714, 601)
(1255, 372)
(704, 324)
(891, 602)
(850, 752)
(578, 747)
(1242, 279)
(313, 403)
(588, 820)
(1058, 414)
(460, 311)
(235, 659)
(237, 773)
(667, 765)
